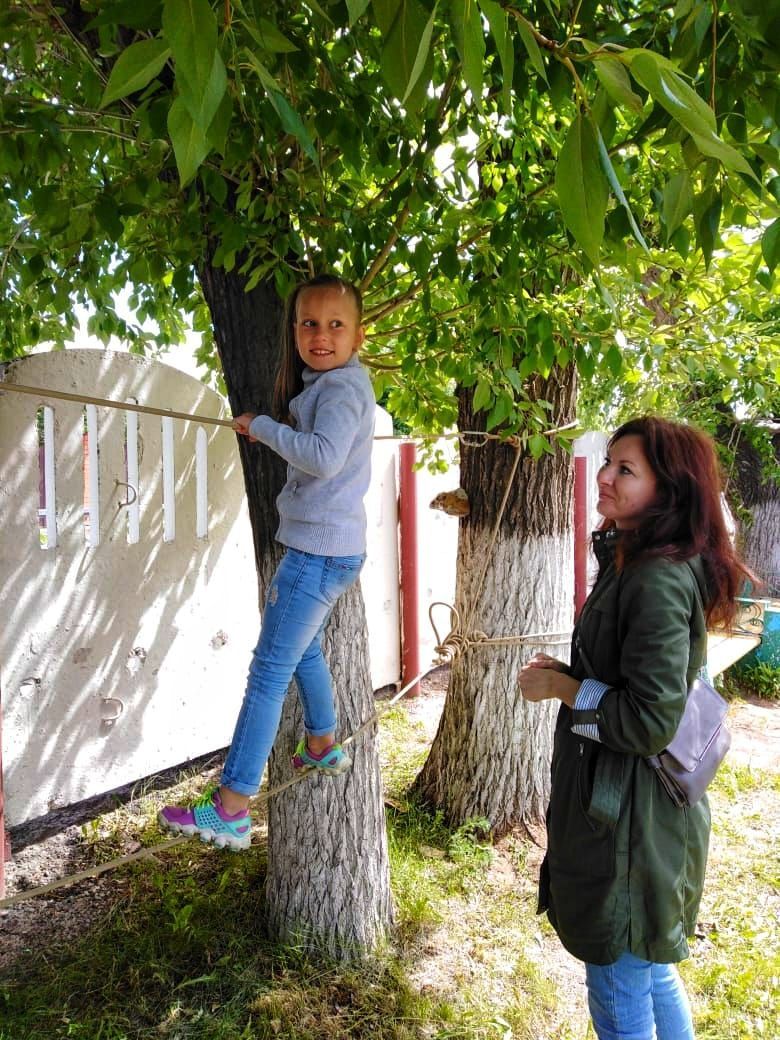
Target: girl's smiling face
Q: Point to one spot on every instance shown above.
(327, 327)
(627, 485)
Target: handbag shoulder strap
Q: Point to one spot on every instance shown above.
(703, 672)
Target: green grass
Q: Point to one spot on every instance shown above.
(734, 972)
(756, 679)
(181, 955)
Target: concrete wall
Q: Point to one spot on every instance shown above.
(125, 639)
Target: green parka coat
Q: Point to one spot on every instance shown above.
(624, 868)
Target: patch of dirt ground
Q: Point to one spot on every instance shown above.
(454, 953)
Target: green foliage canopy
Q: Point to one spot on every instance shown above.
(483, 169)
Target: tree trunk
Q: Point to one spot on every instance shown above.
(328, 878)
(760, 496)
(490, 757)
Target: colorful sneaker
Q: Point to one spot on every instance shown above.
(209, 821)
(332, 760)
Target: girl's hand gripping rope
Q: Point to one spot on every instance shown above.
(242, 422)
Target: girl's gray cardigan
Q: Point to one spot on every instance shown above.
(328, 457)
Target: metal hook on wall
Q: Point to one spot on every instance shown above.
(130, 488)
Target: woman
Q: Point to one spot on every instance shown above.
(623, 875)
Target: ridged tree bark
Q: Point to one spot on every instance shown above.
(490, 756)
(328, 878)
(759, 538)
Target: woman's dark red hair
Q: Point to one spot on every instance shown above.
(687, 518)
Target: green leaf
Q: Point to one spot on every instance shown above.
(190, 145)
(770, 245)
(470, 42)
(422, 55)
(482, 396)
(134, 14)
(269, 37)
(499, 412)
(449, 264)
(204, 106)
(289, 118)
(108, 217)
(717, 148)
(191, 30)
(402, 48)
(663, 81)
(678, 201)
(616, 82)
(581, 187)
(609, 170)
(220, 124)
(356, 8)
(265, 77)
(614, 360)
(499, 26)
(293, 124)
(135, 67)
(706, 209)
(534, 53)
(385, 13)
(537, 445)
(514, 378)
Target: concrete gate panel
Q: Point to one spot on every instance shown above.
(118, 657)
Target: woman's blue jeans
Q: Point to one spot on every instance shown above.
(300, 599)
(634, 999)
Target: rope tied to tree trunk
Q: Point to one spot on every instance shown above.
(148, 853)
(457, 642)
(447, 649)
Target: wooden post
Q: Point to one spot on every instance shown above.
(580, 532)
(410, 629)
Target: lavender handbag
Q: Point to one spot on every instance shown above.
(688, 764)
(686, 767)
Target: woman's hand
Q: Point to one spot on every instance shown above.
(544, 678)
(242, 422)
(545, 661)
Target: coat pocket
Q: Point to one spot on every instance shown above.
(578, 839)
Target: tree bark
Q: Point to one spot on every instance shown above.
(759, 537)
(328, 877)
(490, 757)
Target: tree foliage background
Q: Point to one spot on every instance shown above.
(499, 178)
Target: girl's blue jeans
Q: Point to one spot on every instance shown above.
(300, 599)
(634, 999)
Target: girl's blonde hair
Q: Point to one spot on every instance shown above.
(289, 375)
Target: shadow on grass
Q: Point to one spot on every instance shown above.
(184, 955)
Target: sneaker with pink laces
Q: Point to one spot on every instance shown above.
(208, 819)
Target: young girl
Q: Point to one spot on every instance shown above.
(325, 406)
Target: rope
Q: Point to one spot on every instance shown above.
(449, 648)
(455, 644)
(145, 409)
(103, 402)
(72, 879)
(147, 853)
(494, 533)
